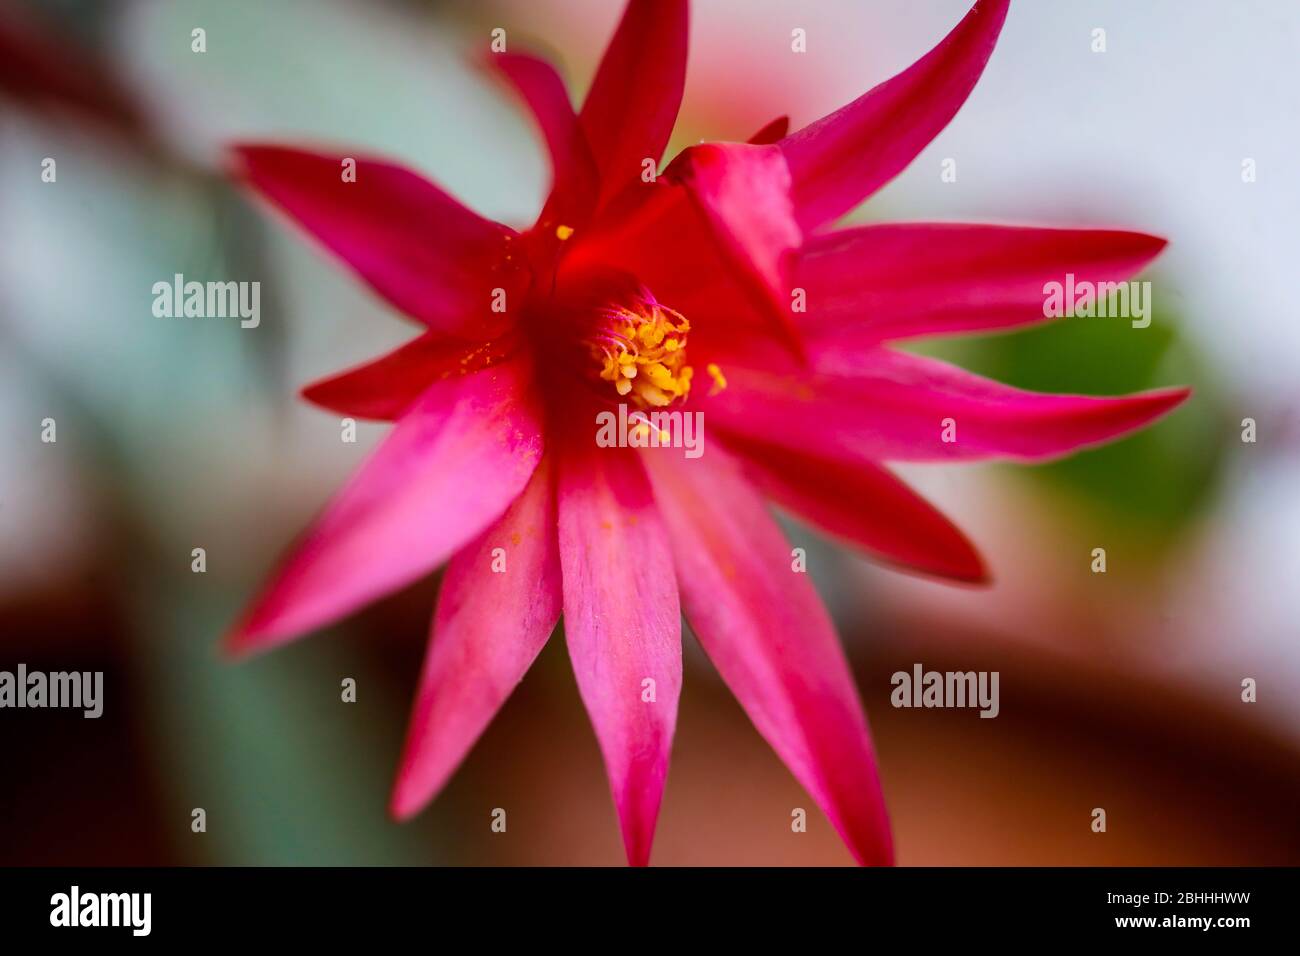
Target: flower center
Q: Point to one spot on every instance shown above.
(641, 351)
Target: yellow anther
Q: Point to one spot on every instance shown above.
(719, 380)
(563, 232)
(659, 374)
(641, 351)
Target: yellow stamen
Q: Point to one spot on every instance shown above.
(641, 351)
(563, 232)
(719, 380)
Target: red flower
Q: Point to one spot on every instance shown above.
(623, 290)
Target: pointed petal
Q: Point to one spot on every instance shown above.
(768, 634)
(914, 279)
(420, 249)
(866, 505)
(489, 628)
(384, 388)
(773, 132)
(892, 406)
(575, 180)
(846, 156)
(623, 626)
(632, 106)
(743, 195)
(450, 467)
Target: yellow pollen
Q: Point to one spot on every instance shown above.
(563, 232)
(641, 351)
(719, 380)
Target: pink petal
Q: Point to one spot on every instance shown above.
(771, 133)
(575, 180)
(866, 505)
(623, 626)
(650, 233)
(846, 156)
(450, 467)
(384, 388)
(743, 195)
(632, 105)
(489, 628)
(886, 405)
(768, 634)
(425, 253)
(913, 279)
(700, 240)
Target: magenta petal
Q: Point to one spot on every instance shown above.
(846, 156)
(495, 612)
(864, 504)
(743, 194)
(575, 180)
(450, 467)
(623, 626)
(420, 249)
(915, 279)
(384, 388)
(880, 404)
(773, 132)
(768, 634)
(632, 105)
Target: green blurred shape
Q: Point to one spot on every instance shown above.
(288, 773)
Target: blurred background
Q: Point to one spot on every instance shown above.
(1119, 690)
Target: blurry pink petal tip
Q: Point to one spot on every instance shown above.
(655, 300)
